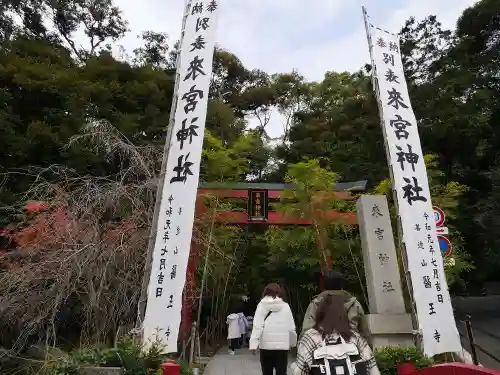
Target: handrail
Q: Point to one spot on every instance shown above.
(473, 345)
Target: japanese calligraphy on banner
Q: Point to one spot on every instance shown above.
(425, 264)
(175, 221)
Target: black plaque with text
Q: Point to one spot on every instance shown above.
(257, 205)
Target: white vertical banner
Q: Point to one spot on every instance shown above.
(425, 263)
(175, 222)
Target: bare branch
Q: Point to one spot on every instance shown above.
(84, 256)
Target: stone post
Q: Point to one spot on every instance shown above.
(387, 321)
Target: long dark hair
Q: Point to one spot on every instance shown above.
(331, 316)
(273, 290)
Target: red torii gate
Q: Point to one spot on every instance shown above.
(244, 192)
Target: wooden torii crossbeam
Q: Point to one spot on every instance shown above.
(241, 191)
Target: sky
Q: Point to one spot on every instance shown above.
(278, 36)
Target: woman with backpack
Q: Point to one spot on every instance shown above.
(273, 331)
(331, 346)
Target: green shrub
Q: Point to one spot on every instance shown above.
(388, 358)
(185, 368)
(127, 354)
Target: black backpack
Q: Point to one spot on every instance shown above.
(336, 357)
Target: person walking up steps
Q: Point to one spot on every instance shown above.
(273, 331)
(233, 331)
(334, 285)
(243, 323)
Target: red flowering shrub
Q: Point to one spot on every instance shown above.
(74, 266)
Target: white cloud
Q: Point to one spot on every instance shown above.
(351, 53)
(262, 33)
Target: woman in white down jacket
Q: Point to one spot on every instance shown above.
(273, 331)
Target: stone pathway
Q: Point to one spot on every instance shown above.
(486, 333)
(242, 363)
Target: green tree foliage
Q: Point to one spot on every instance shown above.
(310, 197)
(100, 20)
(339, 124)
(154, 52)
(246, 158)
(48, 98)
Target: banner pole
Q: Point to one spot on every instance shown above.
(417, 334)
(141, 308)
